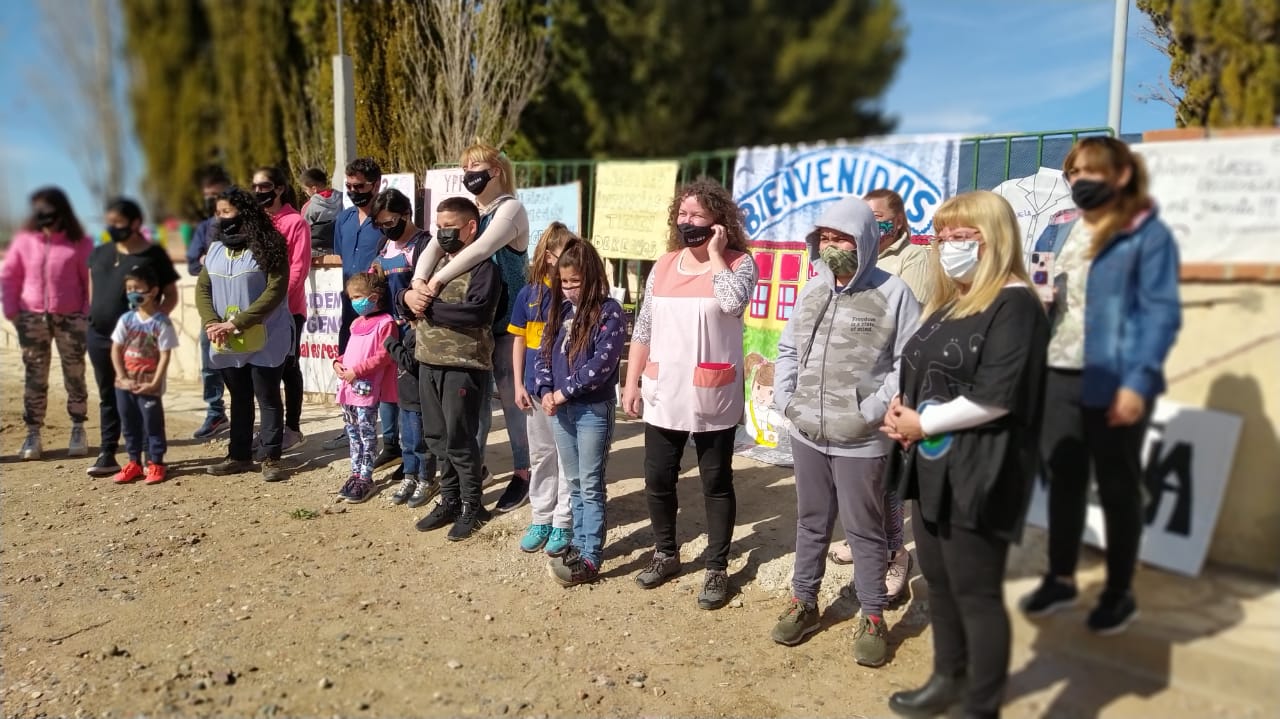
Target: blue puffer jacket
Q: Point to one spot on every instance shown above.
(1132, 314)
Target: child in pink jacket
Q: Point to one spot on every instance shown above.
(368, 376)
(45, 281)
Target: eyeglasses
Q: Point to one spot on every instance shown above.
(263, 186)
(387, 225)
(356, 187)
(975, 236)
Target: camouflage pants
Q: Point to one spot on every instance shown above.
(37, 333)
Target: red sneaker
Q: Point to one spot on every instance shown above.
(155, 474)
(130, 472)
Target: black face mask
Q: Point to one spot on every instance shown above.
(1091, 194)
(450, 239)
(396, 232)
(46, 219)
(210, 205)
(119, 234)
(265, 198)
(229, 229)
(359, 199)
(694, 235)
(476, 180)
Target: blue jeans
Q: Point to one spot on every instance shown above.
(504, 376)
(413, 448)
(584, 433)
(142, 422)
(213, 387)
(389, 416)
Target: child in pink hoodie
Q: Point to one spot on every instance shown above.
(368, 376)
(46, 296)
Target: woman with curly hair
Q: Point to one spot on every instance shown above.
(685, 372)
(241, 295)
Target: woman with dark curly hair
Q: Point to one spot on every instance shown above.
(685, 373)
(241, 295)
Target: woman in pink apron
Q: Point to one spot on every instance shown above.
(685, 372)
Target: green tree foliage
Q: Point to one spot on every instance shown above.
(666, 77)
(1224, 59)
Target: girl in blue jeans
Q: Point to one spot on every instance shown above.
(577, 378)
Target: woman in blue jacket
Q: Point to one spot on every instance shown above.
(1115, 315)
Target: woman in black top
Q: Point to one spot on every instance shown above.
(108, 265)
(968, 420)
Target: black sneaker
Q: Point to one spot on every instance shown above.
(1049, 597)
(230, 466)
(445, 512)
(715, 590)
(1114, 613)
(516, 493)
(661, 568)
(471, 517)
(104, 466)
(273, 471)
(211, 427)
(385, 457)
(572, 569)
(407, 487)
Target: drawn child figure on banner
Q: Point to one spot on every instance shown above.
(782, 190)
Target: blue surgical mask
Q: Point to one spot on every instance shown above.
(135, 299)
(364, 305)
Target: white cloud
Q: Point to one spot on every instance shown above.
(947, 119)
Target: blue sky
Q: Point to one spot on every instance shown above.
(972, 67)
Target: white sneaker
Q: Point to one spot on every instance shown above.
(895, 579)
(31, 447)
(292, 439)
(78, 446)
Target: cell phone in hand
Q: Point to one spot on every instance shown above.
(1042, 275)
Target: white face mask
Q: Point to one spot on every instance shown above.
(959, 259)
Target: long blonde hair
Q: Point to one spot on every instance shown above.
(553, 240)
(1001, 260)
(482, 152)
(1112, 157)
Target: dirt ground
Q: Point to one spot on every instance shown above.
(208, 596)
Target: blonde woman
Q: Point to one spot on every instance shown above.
(968, 422)
(504, 238)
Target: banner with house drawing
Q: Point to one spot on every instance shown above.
(782, 191)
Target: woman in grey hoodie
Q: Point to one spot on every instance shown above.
(835, 376)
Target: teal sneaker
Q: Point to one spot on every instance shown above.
(558, 541)
(534, 537)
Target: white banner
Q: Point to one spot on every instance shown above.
(319, 347)
(441, 184)
(1221, 197)
(402, 181)
(551, 203)
(1187, 459)
(1036, 199)
(782, 190)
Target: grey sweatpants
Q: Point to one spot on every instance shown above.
(854, 486)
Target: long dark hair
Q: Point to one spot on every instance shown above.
(57, 199)
(279, 179)
(581, 256)
(265, 241)
(715, 199)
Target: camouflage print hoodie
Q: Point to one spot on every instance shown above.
(837, 367)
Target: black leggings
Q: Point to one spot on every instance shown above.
(1074, 440)
(663, 449)
(245, 384)
(292, 378)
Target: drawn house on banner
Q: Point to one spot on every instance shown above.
(783, 268)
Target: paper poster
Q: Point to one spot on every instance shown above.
(1221, 197)
(782, 191)
(1035, 199)
(631, 205)
(319, 346)
(562, 203)
(1186, 458)
(442, 184)
(402, 181)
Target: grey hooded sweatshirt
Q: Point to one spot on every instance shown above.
(837, 367)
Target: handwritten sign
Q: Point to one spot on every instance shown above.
(319, 346)
(553, 203)
(442, 184)
(631, 203)
(402, 181)
(1221, 197)
(1187, 458)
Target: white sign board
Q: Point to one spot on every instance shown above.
(402, 181)
(1221, 197)
(1187, 459)
(552, 203)
(319, 346)
(442, 184)
(1035, 199)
